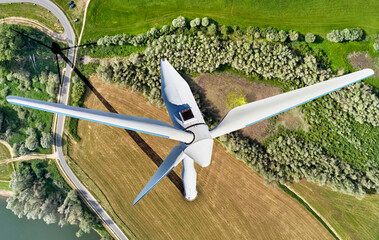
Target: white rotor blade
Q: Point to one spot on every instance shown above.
(254, 112)
(173, 159)
(144, 125)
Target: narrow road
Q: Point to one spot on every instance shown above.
(60, 119)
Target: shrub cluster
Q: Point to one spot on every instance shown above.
(352, 34)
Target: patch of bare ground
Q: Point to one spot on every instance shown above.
(293, 119)
(217, 86)
(233, 202)
(361, 60)
(87, 59)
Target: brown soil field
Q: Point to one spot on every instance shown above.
(217, 86)
(363, 60)
(233, 202)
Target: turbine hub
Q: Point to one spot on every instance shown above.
(200, 149)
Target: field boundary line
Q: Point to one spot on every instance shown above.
(331, 229)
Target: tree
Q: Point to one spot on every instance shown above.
(376, 46)
(77, 93)
(165, 29)
(225, 30)
(272, 34)
(11, 45)
(204, 22)
(310, 37)
(335, 36)
(32, 142)
(195, 22)
(179, 22)
(212, 29)
(294, 36)
(283, 35)
(52, 84)
(46, 140)
(356, 34)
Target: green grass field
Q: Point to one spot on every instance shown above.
(351, 218)
(317, 16)
(36, 12)
(5, 186)
(5, 169)
(4, 152)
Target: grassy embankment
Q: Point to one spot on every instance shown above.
(122, 169)
(28, 10)
(350, 217)
(73, 13)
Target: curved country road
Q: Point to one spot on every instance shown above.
(64, 93)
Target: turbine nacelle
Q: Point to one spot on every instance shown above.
(200, 149)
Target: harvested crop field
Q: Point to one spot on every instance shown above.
(233, 202)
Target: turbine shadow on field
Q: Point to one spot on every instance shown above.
(174, 178)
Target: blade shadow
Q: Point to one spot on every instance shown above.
(154, 157)
(56, 49)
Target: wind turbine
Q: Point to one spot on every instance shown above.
(189, 128)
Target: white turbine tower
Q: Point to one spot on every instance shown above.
(196, 140)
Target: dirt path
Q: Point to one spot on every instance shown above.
(314, 210)
(29, 157)
(81, 32)
(61, 36)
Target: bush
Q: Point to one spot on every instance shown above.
(205, 22)
(195, 22)
(283, 35)
(376, 46)
(310, 37)
(165, 29)
(46, 140)
(272, 35)
(251, 31)
(353, 34)
(294, 36)
(31, 142)
(225, 30)
(212, 29)
(179, 22)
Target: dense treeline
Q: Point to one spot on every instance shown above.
(204, 53)
(290, 156)
(39, 192)
(26, 70)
